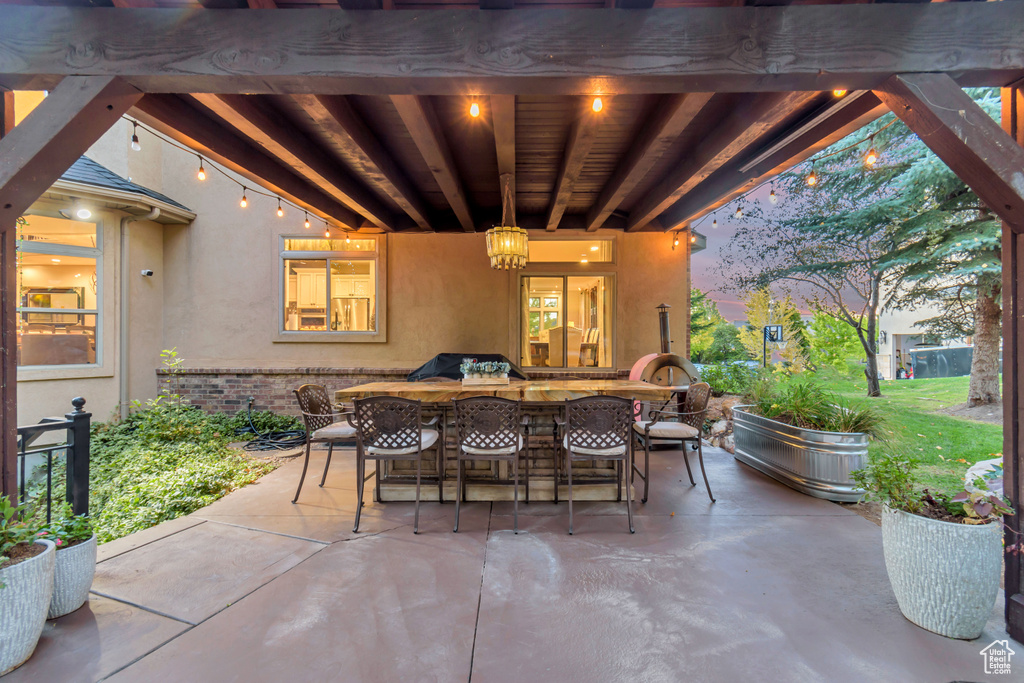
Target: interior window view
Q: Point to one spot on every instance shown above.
(596, 250)
(566, 321)
(333, 294)
(58, 288)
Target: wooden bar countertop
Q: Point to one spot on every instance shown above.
(533, 391)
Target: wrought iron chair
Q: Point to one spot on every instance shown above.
(321, 427)
(391, 428)
(489, 428)
(687, 429)
(597, 428)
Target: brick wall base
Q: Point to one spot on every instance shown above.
(227, 390)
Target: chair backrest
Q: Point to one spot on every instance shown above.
(695, 406)
(315, 405)
(487, 422)
(597, 422)
(389, 422)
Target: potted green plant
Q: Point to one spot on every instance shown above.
(943, 555)
(26, 585)
(75, 563)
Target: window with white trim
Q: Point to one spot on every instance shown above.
(329, 285)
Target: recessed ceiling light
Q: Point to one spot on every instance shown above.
(593, 248)
(55, 260)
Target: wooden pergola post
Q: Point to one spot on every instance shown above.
(990, 160)
(35, 154)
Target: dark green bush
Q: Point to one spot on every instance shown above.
(728, 378)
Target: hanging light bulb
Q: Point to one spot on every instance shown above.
(871, 157)
(135, 137)
(772, 197)
(202, 171)
(474, 110)
(675, 241)
(327, 230)
(714, 224)
(839, 92)
(245, 202)
(307, 220)
(348, 240)
(739, 212)
(812, 178)
(280, 211)
(598, 105)
(693, 239)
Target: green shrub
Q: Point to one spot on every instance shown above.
(809, 405)
(728, 378)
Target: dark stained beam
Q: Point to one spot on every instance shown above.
(577, 147)
(672, 114)
(497, 4)
(535, 51)
(960, 133)
(503, 119)
(336, 116)
(255, 119)
(262, 4)
(420, 119)
(6, 112)
(127, 4)
(539, 221)
(739, 176)
(184, 120)
(739, 129)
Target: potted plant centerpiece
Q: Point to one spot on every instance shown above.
(943, 555)
(75, 563)
(26, 585)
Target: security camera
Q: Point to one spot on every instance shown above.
(147, 273)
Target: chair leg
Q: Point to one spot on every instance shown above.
(360, 484)
(302, 477)
(330, 450)
(647, 467)
(458, 495)
(687, 461)
(441, 463)
(629, 495)
(515, 493)
(526, 456)
(700, 456)
(568, 466)
(416, 515)
(618, 481)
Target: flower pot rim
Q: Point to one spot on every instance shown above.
(68, 547)
(941, 521)
(39, 541)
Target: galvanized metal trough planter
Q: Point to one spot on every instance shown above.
(812, 462)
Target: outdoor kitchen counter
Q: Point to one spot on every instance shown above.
(541, 391)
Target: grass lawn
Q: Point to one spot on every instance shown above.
(945, 445)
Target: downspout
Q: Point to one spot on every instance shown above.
(122, 350)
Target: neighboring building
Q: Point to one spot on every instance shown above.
(898, 335)
(258, 304)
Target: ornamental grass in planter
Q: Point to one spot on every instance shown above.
(26, 585)
(943, 555)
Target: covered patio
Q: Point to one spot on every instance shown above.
(765, 584)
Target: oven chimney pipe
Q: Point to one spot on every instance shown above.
(666, 341)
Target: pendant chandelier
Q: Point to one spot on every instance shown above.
(507, 245)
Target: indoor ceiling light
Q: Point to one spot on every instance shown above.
(594, 248)
(598, 105)
(55, 260)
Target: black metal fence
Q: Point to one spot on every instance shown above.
(76, 452)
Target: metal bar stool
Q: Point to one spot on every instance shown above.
(390, 428)
(319, 417)
(598, 428)
(489, 428)
(688, 429)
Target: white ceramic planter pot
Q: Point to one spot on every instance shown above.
(945, 575)
(73, 572)
(23, 604)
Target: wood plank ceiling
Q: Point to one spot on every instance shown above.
(423, 163)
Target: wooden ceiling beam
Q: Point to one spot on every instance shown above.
(672, 114)
(183, 120)
(739, 176)
(336, 116)
(967, 139)
(262, 4)
(503, 120)
(522, 51)
(65, 124)
(748, 121)
(577, 147)
(255, 119)
(421, 120)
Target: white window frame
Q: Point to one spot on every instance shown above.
(565, 274)
(377, 256)
(49, 249)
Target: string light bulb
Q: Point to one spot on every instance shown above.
(772, 197)
(675, 242)
(474, 110)
(693, 239)
(245, 202)
(348, 240)
(839, 92)
(280, 211)
(327, 230)
(135, 137)
(871, 157)
(307, 220)
(714, 224)
(598, 105)
(202, 171)
(739, 212)
(812, 178)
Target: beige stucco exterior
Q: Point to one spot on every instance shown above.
(216, 290)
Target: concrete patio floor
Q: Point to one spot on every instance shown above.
(766, 584)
